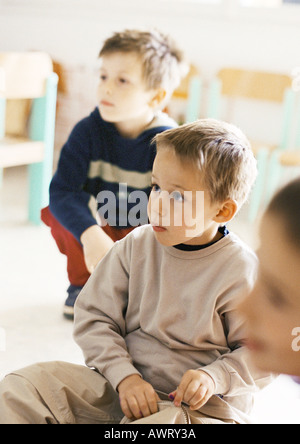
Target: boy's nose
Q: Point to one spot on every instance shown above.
(106, 88)
(160, 206)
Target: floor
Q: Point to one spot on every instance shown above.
(32, 292)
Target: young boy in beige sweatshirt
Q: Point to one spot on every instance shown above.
(158, 316)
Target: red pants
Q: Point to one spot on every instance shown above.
(69, 245)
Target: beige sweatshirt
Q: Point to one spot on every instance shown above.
(158, 311)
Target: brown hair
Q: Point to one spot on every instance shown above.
(162, 60)
(286, 204)
(220, 151)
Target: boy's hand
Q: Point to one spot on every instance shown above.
(96, 244)
(138, 398)
(195, 389)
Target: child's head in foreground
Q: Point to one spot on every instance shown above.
(272, 310)
(205, 156)
(139, 72)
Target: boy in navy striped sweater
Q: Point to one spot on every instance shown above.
(139, 73)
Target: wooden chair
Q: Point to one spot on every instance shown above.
(29, 75)
(235, 84)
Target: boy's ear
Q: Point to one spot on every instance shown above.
(158, 97)
(227, 211)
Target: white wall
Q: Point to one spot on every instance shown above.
(72, 31)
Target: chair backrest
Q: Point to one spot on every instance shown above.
(254, 84)
(24, 75)
(235, 84)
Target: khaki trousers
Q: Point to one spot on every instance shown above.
(63, 393)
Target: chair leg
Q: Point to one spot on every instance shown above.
(274, 176)
(258, 190)
(36, 171)
(38, 191)
(40, 174)
(194, 100)
(215, 92)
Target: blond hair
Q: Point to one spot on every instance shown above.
(220, 151)
(163, 64)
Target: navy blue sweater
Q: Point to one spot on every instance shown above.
(97, 158)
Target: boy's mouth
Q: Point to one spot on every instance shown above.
(105, 103)
(158, 229)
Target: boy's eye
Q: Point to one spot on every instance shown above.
(155, 188)
(276, 300)
(103, 77)
(273, 295)
(177, 196)
(123, 81)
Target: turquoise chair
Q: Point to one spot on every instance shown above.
(235, 84)
(30, 75)
(194, 99)
(190, 92)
